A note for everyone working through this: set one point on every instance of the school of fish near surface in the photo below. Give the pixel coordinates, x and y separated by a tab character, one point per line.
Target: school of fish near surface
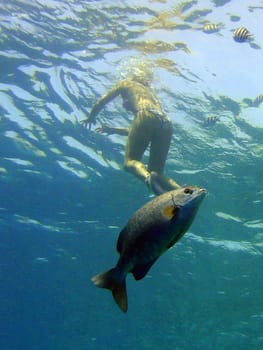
151	231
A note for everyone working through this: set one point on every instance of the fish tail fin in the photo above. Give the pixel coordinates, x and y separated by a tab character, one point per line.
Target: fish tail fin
115	282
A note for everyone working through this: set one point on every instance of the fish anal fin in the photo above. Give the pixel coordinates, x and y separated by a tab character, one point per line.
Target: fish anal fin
141	270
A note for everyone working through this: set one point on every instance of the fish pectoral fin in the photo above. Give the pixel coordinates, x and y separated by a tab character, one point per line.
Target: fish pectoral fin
141	270
170	211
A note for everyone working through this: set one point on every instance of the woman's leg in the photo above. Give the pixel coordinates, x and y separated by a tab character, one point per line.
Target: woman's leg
138	140
160	145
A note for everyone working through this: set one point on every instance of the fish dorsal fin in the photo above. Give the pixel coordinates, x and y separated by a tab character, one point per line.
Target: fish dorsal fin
141	270
170	211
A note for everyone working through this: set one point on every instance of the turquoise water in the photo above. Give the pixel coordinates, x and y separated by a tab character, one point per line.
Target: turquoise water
64	195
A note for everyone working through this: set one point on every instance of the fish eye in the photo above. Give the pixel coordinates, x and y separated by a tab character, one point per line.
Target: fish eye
188	190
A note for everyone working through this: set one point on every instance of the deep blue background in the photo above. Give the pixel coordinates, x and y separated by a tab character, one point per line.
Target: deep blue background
62	204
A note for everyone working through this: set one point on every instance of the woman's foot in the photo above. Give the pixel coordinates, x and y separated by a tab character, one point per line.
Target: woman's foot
160	184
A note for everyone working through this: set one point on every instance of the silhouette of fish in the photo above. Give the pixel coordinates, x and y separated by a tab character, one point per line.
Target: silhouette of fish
210	120
151	231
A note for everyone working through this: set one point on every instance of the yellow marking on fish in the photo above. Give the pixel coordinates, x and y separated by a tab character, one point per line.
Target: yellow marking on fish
170	212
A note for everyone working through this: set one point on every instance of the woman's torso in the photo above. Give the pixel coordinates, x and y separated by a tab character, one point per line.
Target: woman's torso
137	97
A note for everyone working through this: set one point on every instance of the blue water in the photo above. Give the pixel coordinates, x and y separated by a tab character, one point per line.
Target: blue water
64	195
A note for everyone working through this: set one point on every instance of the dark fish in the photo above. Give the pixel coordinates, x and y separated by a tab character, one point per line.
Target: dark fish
210	121
151	231
210	28
242	35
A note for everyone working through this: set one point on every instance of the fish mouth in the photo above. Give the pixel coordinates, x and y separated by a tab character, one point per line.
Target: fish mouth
202	193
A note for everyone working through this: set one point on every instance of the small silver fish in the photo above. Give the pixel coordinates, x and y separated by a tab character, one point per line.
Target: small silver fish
150	232
242	35
210	121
